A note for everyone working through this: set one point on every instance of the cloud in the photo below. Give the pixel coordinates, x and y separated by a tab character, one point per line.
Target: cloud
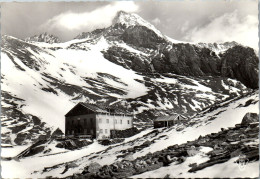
228	27
185	26
156	21
87	21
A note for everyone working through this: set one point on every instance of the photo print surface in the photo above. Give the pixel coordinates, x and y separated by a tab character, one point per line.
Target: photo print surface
129	89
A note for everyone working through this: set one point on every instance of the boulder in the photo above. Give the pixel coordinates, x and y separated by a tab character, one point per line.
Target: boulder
129	157
192	151
59	145
94	167
72	165
68	166
249	118
147	143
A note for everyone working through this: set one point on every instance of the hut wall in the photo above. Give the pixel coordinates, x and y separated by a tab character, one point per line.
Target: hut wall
81	125
106	122
158	124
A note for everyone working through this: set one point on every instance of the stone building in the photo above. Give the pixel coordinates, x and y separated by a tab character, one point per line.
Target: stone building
86	119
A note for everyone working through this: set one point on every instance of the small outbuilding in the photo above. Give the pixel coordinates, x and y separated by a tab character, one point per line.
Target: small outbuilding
168	121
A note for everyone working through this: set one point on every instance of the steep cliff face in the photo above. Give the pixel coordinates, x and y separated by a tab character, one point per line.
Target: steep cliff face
141	36
241	63
187	59
129	60
238	62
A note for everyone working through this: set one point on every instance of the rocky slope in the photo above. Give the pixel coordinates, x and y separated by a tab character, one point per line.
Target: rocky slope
129	65
215	148
216	134
17	126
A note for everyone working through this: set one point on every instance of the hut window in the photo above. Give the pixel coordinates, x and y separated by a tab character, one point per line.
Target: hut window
128	122
107	120
106	131
101	131
116	121
121	121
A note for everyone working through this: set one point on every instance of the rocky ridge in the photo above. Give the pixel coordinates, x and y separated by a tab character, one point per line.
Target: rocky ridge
44	37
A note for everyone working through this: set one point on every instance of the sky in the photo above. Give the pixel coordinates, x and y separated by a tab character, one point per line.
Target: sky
185	20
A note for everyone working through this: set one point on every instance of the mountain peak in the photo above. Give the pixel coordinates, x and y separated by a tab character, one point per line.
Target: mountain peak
131	19
44	37
123	17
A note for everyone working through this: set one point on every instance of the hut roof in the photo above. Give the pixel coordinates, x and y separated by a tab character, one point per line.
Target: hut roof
103	109
167	118
94	107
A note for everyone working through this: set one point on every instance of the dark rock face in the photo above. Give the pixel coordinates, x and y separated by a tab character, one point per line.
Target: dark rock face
241	63
127	59
187	59
249	118
110	141
238	63
141	36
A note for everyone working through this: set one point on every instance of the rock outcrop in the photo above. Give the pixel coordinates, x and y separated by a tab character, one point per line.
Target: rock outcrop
249	118
241	63
44	37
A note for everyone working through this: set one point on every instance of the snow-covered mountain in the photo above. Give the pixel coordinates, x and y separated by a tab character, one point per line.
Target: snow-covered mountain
129	65
162	54
130	20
